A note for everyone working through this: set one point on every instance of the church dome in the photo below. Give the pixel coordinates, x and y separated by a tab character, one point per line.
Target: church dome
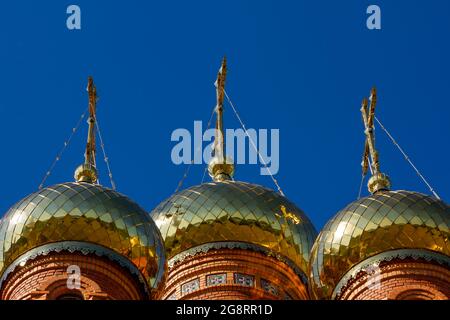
224	211
382	222
85	217
84	213
383	226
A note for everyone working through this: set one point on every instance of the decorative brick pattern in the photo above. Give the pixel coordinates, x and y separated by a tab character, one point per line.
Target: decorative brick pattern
45	278
229	262
173	296
401	280
287	297
244	279
191	286
269	287
215	279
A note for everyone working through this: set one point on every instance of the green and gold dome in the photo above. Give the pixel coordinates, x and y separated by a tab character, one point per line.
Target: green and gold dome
88	213
223	211
86	217
382	226
230	213
384	222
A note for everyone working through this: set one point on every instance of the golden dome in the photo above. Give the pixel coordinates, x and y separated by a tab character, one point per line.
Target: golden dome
83	213
232	211
384	221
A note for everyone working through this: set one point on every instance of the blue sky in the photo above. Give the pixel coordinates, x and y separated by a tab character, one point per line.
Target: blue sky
300	66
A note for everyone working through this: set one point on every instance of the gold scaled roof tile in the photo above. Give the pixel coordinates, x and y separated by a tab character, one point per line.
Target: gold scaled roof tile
234	211
386	220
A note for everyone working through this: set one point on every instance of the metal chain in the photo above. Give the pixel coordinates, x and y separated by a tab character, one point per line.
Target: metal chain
253	144
60	153
360	186
186	172
105	158
209	125
204	174
407	158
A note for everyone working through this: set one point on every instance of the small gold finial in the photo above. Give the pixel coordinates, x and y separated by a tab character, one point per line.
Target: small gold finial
378	181
87	172
220	167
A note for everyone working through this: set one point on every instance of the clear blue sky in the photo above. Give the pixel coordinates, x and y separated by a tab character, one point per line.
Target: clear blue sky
300	66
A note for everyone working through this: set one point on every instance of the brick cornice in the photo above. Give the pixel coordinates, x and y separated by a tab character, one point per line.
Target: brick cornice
383	259
45	278
261	267
406	278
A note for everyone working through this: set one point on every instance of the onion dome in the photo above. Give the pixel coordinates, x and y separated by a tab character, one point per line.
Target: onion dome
231	214
235	211
380	227
86	217
382	222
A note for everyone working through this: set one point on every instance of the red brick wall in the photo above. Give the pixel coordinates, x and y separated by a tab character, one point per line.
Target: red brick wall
401	280
45	278
228	262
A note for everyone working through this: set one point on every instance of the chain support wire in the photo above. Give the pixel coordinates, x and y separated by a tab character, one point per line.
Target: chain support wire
66	144
60	153
407	158
253	144
105	157
186	172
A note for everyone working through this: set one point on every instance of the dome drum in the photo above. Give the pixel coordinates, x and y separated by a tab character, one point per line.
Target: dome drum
402	254
80	247
204	248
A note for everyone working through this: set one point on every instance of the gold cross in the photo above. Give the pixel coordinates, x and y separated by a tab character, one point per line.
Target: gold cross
378	181
288	215
368	114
